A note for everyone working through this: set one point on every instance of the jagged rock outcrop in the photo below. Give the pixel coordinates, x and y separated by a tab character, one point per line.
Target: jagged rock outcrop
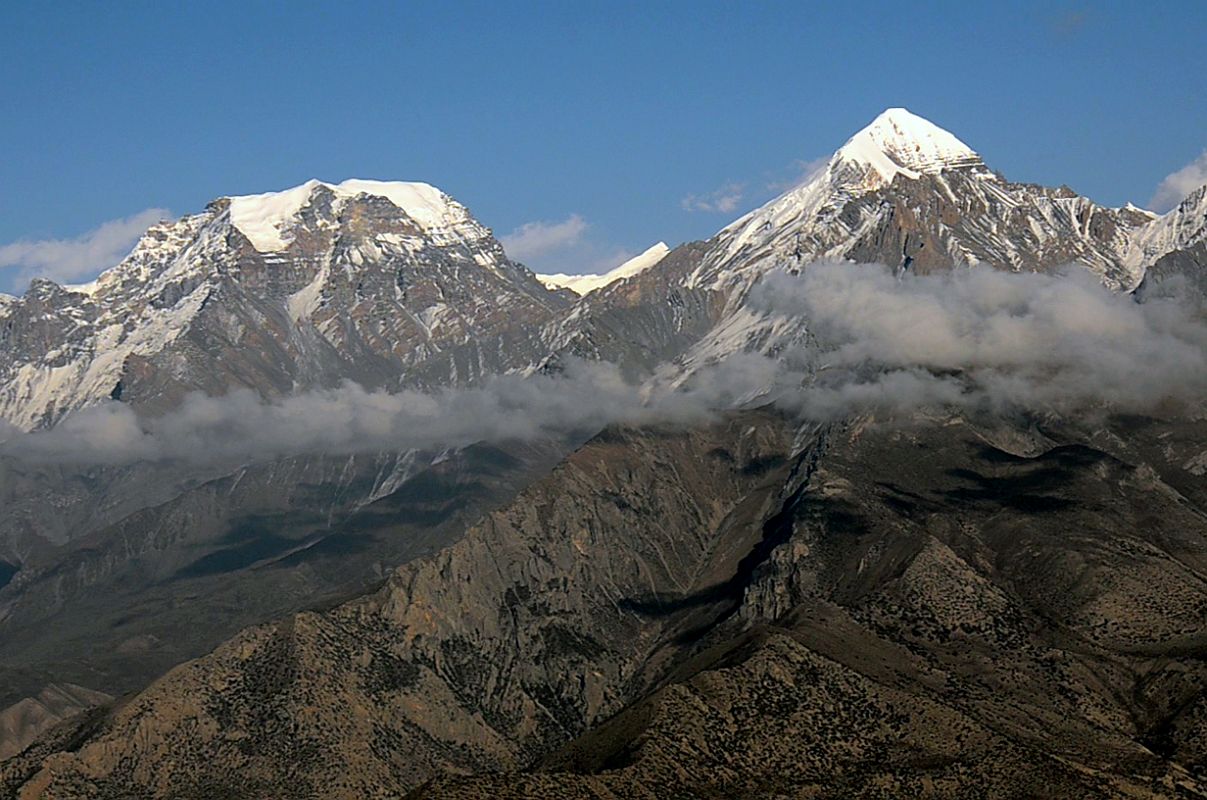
24	720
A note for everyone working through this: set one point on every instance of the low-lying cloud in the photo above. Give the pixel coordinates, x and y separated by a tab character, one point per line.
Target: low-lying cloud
986	339
242	426
973	340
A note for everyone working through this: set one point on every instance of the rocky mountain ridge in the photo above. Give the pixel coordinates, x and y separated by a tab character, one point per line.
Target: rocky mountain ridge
901	192
662	573
278	293
393	284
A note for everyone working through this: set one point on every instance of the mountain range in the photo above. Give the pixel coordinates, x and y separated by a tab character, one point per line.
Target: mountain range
939	600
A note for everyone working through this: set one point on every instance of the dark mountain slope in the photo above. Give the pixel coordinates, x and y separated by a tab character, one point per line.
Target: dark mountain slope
935	609
120	607
948	619
489	654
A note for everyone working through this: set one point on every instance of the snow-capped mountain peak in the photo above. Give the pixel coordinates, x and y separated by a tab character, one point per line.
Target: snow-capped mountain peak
904	191
265	218
372	281
898	141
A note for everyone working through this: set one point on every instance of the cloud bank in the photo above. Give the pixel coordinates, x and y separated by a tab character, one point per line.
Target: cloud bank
71	260
241	426
1178	185
984	339
973	340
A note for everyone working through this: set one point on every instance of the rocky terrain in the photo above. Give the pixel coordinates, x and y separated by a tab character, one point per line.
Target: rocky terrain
146	564
937	603
920	609
120	606
1011	614
21	722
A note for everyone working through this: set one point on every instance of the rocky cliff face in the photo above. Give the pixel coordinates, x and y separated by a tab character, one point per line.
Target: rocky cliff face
489	653
890	610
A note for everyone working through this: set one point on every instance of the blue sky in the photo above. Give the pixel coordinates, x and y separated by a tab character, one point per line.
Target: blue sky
614	125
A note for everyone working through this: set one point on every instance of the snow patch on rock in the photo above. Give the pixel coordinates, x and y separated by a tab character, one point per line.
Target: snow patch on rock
585	284
265	219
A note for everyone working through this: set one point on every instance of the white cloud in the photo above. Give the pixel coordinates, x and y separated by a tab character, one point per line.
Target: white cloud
563	247
977	340
800	172
239	427
724	200
988	339
1178	184
82	258
536	239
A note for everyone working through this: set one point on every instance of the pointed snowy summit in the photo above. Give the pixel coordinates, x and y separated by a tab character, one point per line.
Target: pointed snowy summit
898	141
